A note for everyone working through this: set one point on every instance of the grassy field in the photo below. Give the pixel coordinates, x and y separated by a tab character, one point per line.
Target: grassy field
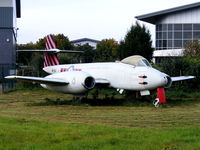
40	120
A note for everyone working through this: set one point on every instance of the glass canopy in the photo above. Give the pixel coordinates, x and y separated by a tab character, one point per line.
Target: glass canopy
136	60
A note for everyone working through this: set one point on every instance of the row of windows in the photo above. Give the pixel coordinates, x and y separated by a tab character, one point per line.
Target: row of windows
170	44
175	36
178	35
178	27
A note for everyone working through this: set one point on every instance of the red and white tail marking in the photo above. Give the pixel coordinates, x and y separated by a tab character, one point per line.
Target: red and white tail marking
50	59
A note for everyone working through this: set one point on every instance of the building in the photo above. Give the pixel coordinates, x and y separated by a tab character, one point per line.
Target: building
175	27
84	41
9	11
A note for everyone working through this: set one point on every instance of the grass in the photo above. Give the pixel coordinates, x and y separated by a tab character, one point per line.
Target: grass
38	120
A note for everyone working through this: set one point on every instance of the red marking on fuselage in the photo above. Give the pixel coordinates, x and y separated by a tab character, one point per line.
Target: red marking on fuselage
66	69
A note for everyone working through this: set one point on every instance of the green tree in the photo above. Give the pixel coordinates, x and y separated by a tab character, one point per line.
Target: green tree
137	42
192	49
107	50
88	55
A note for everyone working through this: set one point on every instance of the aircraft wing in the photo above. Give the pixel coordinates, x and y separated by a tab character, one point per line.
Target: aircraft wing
102	83
39	80
49	51
182	78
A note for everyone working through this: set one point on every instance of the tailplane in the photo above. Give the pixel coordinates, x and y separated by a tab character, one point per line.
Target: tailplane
50	59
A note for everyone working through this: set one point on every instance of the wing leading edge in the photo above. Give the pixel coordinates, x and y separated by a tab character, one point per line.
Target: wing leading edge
40	80
182	78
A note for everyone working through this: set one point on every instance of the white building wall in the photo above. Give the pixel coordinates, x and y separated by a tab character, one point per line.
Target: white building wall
6	3
187	16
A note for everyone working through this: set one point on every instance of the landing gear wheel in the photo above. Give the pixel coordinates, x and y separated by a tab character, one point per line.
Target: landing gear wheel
156	102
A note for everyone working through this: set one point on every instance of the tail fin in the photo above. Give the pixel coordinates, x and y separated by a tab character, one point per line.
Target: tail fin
50	59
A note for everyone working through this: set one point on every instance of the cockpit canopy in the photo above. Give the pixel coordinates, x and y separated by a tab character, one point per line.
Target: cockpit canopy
136	60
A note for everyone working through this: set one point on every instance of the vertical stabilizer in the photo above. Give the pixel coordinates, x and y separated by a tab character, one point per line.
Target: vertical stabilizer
50	59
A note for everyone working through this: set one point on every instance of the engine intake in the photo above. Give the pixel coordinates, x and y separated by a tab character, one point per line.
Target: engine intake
89	83
168	82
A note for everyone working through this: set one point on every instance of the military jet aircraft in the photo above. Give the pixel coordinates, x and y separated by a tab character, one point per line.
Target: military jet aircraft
132	73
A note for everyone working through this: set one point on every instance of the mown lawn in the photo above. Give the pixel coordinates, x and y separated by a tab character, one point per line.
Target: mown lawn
29	120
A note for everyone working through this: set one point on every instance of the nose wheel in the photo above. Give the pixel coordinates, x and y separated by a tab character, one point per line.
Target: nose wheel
156	102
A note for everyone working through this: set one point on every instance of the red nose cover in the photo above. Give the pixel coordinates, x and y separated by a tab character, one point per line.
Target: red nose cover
161	95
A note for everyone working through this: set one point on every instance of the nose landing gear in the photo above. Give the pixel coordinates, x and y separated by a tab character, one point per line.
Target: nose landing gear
156	102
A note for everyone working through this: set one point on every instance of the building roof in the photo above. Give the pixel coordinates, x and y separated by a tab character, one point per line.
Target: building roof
85	39
152	17
18	8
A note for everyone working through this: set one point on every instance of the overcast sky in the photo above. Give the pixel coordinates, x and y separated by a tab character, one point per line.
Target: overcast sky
96	19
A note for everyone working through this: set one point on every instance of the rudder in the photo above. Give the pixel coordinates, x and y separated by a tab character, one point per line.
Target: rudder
50	59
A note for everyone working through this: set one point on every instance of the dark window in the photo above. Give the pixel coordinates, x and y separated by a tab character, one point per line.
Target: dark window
164	35
187	27
187	35
170	27
196	35
178	27
169	44
177	35
170	35
164	44
196	26
178	43
159	35
164	27
159	27
156	35
159	43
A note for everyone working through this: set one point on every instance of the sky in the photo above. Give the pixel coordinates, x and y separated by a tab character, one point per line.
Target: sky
95	19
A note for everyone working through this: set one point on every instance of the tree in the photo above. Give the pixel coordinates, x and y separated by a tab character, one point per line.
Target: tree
107	50
137	42
89	52
192	49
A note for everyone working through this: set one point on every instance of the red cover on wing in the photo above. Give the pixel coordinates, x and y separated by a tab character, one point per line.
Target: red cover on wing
161	95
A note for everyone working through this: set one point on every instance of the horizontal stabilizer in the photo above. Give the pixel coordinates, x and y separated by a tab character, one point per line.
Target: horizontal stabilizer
39	80
182	78
49	51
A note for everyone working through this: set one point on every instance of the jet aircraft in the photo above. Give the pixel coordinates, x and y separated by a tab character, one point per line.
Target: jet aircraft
132	73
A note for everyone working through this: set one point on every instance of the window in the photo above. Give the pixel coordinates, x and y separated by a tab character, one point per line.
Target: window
187	27
169	44
196	26
196	35
169	35
170	27
178	43
177	35
164	43
178	27
187	35
164	27
164	35
159	35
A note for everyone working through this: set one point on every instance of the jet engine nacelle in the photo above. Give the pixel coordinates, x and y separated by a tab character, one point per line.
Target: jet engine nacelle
78	82
168	82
